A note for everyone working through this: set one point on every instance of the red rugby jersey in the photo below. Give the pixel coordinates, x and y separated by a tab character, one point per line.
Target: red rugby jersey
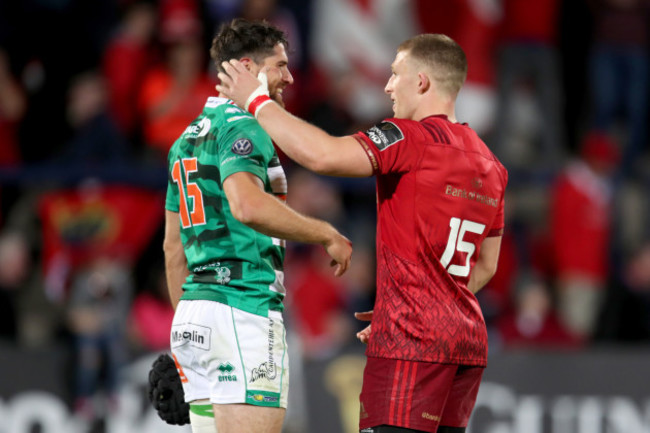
440	192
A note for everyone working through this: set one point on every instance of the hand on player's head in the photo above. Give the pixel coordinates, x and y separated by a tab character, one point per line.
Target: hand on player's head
238	84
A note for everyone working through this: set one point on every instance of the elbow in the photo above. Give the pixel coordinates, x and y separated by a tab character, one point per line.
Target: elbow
168	247
316	162
492	271
246	212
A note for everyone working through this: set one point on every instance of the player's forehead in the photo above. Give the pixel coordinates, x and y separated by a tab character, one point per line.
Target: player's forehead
279	56
401	60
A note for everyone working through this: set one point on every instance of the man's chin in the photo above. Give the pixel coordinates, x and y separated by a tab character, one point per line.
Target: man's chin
277	97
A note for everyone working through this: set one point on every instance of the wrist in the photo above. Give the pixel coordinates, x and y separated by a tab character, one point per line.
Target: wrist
254	105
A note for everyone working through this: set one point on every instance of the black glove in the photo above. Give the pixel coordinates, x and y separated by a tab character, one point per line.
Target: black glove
166	392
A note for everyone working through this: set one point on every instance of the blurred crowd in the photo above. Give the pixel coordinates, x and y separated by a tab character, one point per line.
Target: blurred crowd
93	94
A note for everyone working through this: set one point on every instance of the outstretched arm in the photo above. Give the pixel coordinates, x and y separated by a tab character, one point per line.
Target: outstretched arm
251	205
306	144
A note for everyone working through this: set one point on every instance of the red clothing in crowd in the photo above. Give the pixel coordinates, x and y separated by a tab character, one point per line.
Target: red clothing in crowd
152	317
518	331
531	21
581	223
168	108
125	63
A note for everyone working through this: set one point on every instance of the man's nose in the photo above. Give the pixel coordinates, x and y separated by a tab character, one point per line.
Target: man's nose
288	77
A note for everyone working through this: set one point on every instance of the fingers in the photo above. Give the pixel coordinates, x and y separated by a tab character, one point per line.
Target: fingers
232	68
364	335
365	316
340	267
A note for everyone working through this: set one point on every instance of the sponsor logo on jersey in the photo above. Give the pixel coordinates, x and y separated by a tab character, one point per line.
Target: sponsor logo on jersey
226	373
199	130
242	146
223	275
204	127
385	134
194	335
471	195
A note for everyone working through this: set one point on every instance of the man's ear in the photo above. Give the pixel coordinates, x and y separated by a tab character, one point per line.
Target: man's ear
247	62
424	83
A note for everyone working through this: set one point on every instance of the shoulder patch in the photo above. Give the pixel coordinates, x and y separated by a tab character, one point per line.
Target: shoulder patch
385	134
242	146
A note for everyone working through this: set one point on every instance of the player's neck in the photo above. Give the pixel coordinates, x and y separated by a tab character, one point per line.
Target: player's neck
436	109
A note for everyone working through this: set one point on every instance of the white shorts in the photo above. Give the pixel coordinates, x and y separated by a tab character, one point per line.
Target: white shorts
230	356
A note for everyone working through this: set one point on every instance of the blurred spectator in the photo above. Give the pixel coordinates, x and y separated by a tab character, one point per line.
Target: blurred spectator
116	221
151	315
13	104
633	317
222	10
128	55
15	263
173	92
318	303
533	321
529	70
96	140
356	42
284	19
619	73
99	302
476	31
318	300
581	225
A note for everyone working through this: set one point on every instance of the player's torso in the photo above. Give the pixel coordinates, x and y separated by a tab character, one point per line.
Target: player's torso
228	261
431	220
456	186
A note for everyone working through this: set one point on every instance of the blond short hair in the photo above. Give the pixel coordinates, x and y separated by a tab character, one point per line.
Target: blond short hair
444	58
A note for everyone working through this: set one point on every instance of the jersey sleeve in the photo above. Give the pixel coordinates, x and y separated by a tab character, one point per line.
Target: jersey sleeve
171	199
244	147
498	223
389	149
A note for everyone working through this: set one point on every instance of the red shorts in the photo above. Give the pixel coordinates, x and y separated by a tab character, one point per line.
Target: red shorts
417	395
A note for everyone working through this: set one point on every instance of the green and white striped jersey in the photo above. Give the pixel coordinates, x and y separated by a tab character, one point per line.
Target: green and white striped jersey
228	261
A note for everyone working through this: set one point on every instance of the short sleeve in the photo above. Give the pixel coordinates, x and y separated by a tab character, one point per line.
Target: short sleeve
244	147
498	223
389	146
172	197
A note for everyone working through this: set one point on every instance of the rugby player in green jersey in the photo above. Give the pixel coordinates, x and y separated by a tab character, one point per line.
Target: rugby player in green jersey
225	232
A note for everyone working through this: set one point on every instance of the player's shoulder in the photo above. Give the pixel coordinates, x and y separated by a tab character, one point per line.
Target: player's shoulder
225	110
391	131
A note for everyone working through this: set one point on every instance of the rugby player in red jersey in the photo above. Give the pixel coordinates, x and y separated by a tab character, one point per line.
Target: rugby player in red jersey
440	194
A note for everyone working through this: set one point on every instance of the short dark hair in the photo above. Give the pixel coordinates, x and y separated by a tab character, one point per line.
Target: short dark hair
442	55
243	38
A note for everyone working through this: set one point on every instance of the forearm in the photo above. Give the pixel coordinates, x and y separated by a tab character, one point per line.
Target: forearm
175	262
479	278
274	218
486	264
176	272
306	144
